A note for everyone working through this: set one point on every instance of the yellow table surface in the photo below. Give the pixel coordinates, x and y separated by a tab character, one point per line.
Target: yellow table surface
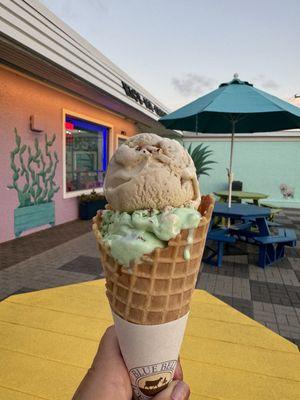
48	340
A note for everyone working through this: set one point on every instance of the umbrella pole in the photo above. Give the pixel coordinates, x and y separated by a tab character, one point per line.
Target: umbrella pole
230	173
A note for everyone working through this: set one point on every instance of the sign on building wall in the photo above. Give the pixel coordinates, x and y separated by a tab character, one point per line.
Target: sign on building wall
139	98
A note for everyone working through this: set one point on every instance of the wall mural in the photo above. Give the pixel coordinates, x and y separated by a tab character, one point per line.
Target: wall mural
33	179
287	191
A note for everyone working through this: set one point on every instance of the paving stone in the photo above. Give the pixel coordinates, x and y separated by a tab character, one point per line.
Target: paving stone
264	316
261	306
223	285
258	305
280	309
210	269
273	326
228	269
23	290
206	282
295	263
293	251
294	295
241	270
241	288
256	273
286	295
242	305
298	275
289	331
226	299
17	250
289	277
245	310
283	263
273	275
260	291
85	265
282	319
293	321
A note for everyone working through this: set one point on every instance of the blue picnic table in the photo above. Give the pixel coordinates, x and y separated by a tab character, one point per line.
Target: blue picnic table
246	213
250	225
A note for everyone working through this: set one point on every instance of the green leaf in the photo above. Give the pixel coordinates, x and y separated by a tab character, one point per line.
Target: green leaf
38	191
52	140
201	156
197	150
189	150
208	162
205	169
18	139
23	148
21	199
13	166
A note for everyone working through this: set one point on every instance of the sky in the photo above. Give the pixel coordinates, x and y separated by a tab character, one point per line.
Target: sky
179	50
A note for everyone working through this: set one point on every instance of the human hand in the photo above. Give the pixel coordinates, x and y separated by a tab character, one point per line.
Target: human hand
108	379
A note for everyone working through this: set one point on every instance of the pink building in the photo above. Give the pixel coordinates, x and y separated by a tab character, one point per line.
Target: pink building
65	108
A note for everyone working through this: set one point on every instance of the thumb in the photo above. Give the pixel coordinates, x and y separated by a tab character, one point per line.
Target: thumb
177	390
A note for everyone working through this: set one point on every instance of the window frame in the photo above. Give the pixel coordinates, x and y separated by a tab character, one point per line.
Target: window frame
76	193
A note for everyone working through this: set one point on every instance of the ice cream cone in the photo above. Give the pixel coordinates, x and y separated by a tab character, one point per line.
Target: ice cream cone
151	300
158	289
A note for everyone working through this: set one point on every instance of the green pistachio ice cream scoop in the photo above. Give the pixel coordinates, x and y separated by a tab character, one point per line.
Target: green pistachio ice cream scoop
130	236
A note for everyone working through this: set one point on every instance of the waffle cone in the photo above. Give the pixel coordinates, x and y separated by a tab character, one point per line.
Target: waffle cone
158	289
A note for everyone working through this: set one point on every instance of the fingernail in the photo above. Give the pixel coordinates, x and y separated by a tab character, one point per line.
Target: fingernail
180	392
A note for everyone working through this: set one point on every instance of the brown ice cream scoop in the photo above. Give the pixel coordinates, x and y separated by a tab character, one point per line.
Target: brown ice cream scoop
149	171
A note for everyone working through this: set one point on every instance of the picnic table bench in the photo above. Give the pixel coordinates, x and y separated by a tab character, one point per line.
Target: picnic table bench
220	236
271	248
251	226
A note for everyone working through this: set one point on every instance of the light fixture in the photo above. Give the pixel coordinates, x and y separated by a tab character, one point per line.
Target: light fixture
34	125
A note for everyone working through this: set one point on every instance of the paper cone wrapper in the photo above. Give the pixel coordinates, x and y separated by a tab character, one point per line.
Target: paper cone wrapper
150	353
155	291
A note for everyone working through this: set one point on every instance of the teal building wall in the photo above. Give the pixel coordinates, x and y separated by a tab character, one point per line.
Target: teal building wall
261	165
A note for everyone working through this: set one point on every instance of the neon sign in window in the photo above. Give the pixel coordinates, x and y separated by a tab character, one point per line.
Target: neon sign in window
86	154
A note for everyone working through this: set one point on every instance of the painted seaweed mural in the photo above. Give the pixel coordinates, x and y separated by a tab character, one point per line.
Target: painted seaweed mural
34	180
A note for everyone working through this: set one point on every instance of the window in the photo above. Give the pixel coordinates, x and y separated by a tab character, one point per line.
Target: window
86	154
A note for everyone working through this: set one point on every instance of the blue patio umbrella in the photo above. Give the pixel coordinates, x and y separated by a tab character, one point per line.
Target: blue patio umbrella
234	107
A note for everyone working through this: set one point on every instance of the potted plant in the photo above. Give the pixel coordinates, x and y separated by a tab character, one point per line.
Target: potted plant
90	203
33	179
